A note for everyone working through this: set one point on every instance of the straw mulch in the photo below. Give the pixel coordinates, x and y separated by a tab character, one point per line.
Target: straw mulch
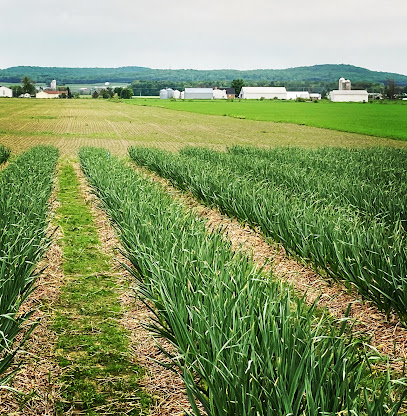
38	374
166	387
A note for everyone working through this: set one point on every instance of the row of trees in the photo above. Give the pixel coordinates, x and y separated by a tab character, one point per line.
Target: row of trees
117	92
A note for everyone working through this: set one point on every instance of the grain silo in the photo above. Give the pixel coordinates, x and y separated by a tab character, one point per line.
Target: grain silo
163	94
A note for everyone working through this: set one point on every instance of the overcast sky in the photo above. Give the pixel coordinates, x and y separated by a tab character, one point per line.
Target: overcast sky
241	34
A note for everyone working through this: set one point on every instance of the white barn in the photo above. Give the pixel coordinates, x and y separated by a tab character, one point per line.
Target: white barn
220	94
198	93
293	95
49	94
6	92
348	96
255	93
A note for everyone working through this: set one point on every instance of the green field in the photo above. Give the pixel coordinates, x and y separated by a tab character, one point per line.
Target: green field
382	119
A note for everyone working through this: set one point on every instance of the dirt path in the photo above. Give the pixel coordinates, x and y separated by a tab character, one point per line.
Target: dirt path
387	335
166	387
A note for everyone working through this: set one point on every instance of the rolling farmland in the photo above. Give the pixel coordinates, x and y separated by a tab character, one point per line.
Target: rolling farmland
71	124
241	339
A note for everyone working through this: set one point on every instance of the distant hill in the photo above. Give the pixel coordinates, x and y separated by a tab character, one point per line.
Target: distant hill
318	73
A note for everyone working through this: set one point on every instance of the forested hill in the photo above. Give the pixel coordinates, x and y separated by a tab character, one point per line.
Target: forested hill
317	73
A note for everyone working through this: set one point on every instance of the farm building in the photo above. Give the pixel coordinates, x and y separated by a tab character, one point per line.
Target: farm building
6	92
198	93
166	93
50	94
342	96
219	94
315	96
256	93
346	95
293	95
230	92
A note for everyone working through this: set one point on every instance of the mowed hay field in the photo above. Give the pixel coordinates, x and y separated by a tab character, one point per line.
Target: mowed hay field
71	124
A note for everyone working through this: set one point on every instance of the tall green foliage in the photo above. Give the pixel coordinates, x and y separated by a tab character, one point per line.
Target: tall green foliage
5	153
322	225
243	344
25	188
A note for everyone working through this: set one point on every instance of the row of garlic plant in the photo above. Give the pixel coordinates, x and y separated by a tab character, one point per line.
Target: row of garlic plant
243	343
371	181
25	189
5	153
370	255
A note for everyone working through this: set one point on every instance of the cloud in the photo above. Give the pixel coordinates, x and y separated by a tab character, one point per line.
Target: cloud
204	34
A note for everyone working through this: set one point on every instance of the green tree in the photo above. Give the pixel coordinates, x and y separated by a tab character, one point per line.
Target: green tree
28	86
390	89
127	93
237	84
95	94
118	91
17	90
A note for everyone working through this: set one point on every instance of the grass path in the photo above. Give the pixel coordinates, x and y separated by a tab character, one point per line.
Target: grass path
98	375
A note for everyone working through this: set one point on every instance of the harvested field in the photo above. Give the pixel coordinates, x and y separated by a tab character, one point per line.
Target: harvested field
70	124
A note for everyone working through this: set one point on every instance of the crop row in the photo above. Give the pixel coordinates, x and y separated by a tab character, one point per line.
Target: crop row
370	255
243	343
25	188
372	182
4	153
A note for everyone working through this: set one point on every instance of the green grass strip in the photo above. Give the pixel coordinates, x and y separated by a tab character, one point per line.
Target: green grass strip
97	374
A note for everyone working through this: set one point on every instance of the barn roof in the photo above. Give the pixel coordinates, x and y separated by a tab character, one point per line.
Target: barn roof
54	92
198	90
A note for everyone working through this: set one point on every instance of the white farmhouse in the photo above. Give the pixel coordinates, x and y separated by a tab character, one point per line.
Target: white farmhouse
198	93
256	93
6	92
293	95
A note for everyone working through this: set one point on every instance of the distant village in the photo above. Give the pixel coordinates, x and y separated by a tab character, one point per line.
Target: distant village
344	93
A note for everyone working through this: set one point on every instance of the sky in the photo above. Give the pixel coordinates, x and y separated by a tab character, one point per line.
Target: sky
210	34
